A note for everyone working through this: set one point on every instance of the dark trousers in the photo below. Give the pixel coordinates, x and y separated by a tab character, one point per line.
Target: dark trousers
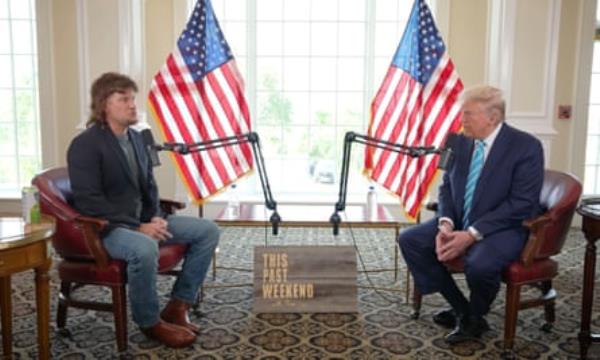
484	263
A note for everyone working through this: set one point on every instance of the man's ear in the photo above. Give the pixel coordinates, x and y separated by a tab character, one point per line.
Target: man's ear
494	117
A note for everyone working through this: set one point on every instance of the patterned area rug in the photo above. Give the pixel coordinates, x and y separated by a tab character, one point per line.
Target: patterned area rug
382	329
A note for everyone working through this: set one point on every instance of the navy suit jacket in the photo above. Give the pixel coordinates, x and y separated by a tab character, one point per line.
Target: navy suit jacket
102	181
508	188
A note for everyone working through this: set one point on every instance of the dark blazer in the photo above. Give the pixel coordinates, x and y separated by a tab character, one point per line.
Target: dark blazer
102	181
509	186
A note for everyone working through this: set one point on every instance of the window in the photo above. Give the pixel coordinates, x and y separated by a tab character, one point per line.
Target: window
311	68
20	157
592	159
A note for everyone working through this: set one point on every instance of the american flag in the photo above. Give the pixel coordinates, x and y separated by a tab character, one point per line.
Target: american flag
198	95
417	106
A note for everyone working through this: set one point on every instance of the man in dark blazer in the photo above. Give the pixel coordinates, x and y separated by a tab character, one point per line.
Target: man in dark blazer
491	186
111	177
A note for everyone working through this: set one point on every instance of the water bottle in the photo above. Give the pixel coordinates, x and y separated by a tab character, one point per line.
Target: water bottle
371	204
233	205
30	204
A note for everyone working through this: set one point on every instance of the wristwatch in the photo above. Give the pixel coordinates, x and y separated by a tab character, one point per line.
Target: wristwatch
474	233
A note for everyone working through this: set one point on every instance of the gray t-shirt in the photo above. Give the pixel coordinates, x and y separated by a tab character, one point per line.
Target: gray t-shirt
127	148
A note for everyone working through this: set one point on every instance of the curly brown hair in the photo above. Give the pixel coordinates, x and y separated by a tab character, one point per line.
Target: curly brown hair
103	87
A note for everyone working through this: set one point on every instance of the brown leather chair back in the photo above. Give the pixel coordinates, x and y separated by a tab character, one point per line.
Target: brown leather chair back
55	198
560	195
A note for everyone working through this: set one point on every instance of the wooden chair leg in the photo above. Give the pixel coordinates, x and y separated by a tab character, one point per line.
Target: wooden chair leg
417	300
549	313
513	293
63	299
214	264
119	298
6	315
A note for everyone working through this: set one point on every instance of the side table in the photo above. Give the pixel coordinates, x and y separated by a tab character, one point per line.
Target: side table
24	247
590	211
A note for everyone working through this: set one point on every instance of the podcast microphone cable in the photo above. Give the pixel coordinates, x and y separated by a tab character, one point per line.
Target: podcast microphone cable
364	268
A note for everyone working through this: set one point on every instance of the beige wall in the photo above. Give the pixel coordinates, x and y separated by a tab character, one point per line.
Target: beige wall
66	74
529	49
565	90
467	43
467	39
159	41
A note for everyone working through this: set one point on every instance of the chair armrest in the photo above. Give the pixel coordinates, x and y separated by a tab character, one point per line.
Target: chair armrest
536	227
91	228
170	206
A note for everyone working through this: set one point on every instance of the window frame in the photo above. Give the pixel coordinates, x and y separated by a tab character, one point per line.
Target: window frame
37	10
250	190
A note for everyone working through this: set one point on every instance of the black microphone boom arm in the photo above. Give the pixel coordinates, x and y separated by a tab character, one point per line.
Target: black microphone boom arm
254	140
412	151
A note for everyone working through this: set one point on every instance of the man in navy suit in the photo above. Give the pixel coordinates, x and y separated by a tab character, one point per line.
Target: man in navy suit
492	185
111	177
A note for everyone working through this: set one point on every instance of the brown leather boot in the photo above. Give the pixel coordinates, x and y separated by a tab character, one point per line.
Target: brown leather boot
176	312
171	335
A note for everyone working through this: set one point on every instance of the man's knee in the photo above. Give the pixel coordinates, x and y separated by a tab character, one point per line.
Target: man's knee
207	232
405	240
482	274
212	232
146	256
417	236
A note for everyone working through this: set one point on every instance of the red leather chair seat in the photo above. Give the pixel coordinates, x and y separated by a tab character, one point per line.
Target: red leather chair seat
517	273
115	273
89	273
170	256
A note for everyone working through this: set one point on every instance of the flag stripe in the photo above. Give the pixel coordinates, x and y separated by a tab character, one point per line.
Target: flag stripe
225	128
399	111
441	106
435	135
175	122
409	112
195	191
222	157
208	169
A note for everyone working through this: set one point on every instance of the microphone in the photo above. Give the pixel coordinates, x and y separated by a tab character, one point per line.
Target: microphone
151	147
335	220
447	152
275	220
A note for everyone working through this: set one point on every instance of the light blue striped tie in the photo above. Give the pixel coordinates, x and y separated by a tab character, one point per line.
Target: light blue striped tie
474	172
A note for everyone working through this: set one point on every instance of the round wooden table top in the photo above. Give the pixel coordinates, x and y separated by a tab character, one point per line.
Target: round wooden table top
14	232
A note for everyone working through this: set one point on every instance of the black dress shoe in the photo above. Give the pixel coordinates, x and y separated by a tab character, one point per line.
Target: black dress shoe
445	318
468	328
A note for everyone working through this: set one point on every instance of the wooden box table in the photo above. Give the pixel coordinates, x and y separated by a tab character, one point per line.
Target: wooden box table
24	247
256	215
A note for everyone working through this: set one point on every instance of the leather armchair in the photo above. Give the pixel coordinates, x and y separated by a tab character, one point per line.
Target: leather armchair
547	234
84	261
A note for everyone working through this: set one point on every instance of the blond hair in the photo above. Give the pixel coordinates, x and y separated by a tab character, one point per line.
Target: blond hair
490	97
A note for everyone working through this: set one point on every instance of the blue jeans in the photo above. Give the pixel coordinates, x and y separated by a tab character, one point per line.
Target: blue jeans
141	254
